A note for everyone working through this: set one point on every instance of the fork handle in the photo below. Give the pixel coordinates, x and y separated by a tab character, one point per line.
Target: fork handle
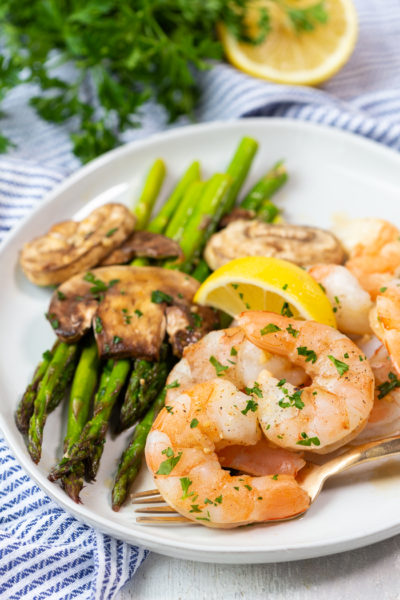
356	456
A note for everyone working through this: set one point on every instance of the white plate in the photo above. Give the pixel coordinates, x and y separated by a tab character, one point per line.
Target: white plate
330	172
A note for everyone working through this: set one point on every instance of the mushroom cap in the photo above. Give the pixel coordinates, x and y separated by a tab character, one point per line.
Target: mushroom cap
299	244
73	246
143	244
128	310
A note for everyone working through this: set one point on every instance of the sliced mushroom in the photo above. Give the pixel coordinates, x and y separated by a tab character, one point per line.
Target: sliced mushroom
73	246
127	308
236	214
299	244
143	244
188	324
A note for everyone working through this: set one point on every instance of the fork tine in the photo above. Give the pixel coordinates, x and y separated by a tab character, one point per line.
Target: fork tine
154	499
155	509
154	492
164	520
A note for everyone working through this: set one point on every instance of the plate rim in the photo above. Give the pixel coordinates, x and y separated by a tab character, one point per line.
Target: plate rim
183	549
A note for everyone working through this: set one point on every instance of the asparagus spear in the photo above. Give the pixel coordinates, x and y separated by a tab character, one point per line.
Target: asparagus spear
203	220
202	270
185	210
25	407
160	222
94	432
144	206
51	391
93	459
238	169
265	187
267	211
131	459
146	381
83	386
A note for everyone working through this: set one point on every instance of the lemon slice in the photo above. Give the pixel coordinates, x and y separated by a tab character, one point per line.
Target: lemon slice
262	283
293	57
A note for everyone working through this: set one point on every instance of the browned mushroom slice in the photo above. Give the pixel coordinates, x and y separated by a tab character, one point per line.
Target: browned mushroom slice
143	244
188	324
126	306
299	244
73	246
236	214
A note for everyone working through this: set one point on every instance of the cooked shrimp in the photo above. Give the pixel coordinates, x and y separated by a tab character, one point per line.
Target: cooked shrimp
384	419
181	452
261	459
385	319
334	408
374	247
351	303
229	354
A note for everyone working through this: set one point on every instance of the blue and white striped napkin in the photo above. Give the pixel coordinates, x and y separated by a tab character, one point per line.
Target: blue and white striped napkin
44	552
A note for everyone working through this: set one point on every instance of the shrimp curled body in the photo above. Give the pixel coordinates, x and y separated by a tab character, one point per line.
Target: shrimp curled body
181	453
335	407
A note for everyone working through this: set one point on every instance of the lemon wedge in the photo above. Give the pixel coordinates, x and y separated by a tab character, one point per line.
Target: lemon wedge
295	57
262	283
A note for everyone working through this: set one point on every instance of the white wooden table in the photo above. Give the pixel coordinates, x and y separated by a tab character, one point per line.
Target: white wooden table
371	573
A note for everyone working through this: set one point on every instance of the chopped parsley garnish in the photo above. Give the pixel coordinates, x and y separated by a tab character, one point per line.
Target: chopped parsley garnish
195	508
293	400
256	390
251	405
337	300
322	288
185	485
198	320
341	366
360	358
309	354
219	369
346	355
180	295
292	331
285	286
233	351
98	325
111	232
218	500
308	441
54	322
275	477
285	310
138	313
383	290
387	386
117	339
169	464
174	384
169	409
99	286
158	297
193	423
246	485
60	295
235	487
235	286
270	328
281	382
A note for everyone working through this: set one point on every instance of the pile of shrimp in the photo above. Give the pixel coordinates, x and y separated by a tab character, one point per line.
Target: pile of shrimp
245	403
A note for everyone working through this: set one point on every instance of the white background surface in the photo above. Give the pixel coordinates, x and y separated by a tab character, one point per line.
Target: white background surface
371	573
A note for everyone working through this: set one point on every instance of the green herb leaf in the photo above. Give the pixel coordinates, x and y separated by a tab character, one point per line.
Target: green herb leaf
193	423
307	441
251	405
256	390
292	331
388	386
219	369
169	464
341	366
309	354
270	328
185	485
159	297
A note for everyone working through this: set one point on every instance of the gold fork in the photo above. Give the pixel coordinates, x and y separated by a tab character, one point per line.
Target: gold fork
311	478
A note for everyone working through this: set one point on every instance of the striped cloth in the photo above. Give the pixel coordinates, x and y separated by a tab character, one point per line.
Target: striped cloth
44	552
